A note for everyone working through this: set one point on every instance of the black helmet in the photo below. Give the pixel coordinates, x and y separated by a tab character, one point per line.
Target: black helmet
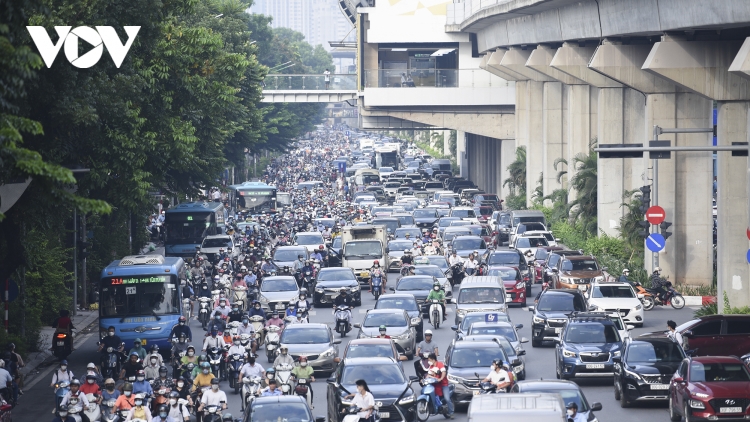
163	370
174	395
214	381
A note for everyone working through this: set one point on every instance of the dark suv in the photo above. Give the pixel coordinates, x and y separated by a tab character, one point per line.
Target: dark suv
587	346
551	313
644	370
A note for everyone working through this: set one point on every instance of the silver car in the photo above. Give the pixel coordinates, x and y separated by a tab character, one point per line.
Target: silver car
276	292
398	326
437	273
315	341
396	251
497	329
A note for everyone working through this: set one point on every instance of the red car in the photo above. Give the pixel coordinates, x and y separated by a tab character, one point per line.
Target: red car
710	388
515	286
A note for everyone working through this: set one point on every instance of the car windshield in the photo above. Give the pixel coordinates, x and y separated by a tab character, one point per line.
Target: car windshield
466	357
580	265
485	211
718	372
415	283
439	261
531	242
508	332
287	255
384	302
386	169
395	319
424	213
309	239
481	295
473	317
399	246
463	213
392	185
509	258
336	242
459	223
557	302
541	254
369	351
463	244
612	292
509	274
272	412
569	395
591	333
449	235
406	220
431	271
445	222
217	243
640	353
336	275
373	374
279	285
523	228
413	233
305	336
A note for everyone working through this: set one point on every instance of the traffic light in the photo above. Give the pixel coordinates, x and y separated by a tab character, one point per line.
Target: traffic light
645	198
83	249
645	231
664	226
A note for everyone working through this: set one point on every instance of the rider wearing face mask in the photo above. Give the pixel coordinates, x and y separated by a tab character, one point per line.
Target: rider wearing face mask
110	340
283	358
437	294
214	340
214	396
236	349
572	413
299	263
127	400
236	314
91	387
247	328
223	308
140	410
131	367
141	385
75	394
110	392
177	411
62	374
217	323
182	328
63	416
256	310
163	415
304	371
189	356
204	377
152	367
137	348
163	380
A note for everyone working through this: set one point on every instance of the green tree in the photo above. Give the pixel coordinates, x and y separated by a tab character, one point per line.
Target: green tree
583	209
516	182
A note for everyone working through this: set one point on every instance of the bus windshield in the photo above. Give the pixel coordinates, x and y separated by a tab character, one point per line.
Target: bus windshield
254	198
126	296
187	227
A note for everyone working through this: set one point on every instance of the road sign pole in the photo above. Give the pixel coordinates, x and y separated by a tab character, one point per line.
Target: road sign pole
655	191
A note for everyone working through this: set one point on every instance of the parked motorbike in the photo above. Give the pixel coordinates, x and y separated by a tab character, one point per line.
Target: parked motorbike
284	377
272	341
426	407
342	319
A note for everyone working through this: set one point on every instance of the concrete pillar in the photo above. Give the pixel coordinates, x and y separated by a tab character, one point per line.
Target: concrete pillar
581	127
554	146
535	148
507	156
732	205
461	153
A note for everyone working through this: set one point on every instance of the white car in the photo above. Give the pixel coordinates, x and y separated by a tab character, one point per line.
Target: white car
551	239
622	328
616	297
525	243
465	213
385	172
310	240
212	244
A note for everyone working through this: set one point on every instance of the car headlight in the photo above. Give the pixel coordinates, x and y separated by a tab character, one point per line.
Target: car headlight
407	400
518	369
616	353
568	353
461	312
697	404
355	288
638	307
416	320
537	320
263	299
633	375
328	353
520	285
599	278
403	336
454	379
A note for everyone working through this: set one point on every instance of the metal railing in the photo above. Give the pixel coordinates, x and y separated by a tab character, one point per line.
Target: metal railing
431	78
285	82
460	10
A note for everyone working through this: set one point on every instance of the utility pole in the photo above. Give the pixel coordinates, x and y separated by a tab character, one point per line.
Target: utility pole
84	238
75	261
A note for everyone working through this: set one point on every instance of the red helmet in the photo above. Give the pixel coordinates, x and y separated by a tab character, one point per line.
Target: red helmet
376	262
320	246
226	259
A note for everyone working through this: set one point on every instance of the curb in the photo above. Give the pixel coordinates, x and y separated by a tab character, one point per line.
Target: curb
699	300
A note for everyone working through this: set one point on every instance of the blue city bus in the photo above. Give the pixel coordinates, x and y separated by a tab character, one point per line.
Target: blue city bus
188	224
141	297
252	198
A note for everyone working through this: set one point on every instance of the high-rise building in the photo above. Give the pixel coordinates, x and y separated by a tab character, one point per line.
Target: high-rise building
319	20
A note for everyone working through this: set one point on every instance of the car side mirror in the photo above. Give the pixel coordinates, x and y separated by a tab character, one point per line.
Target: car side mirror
596	406
678	379
392	289
320	419
524	340
402	358
337	341
688	334
413	378
605	268
557	239
555	270
519	326
331	380
592	307
531	308
521	352
454	327
630	327
516	362
357	325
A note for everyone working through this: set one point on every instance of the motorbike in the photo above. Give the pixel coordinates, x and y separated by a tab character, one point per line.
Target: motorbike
254	292
284	377
646	298
239	298
234	363
272	341
76	409
111	363
258	324
342	319
250	390
61	345
672	297
107	407
422	366
425	405
160	397
377	285
212	413
187	308
308	282
303	389
455	273
436	313
407	270
214	358
204	312
61	389
351	413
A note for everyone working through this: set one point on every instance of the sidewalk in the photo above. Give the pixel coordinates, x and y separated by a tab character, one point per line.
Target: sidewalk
83	319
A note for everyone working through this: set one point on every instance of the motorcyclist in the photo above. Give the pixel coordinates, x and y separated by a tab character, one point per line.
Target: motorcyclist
238	281
250	278
154	353
140	410
204	291
197	271
455	259
177	411
283	358
407	258
127	400
110	340
307	268
131	367
181	328
303	303
438	294
375	270
204	377
304	371
624	277
163	415
256	310
658	283
237	348
163	380
91	387
291	310
500	376
74	392
214	340
268	267
137	348
109	392
62	415
221	255
141	385
298	264
382	332
214	396
223	308
235	314
471	265
217	324
275	320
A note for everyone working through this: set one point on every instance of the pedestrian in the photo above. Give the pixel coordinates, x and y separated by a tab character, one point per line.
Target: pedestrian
327	78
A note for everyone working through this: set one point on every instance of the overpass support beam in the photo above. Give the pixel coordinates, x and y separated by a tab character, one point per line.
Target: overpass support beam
703	67
684	181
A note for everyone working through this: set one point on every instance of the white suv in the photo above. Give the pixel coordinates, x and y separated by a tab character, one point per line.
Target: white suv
616	297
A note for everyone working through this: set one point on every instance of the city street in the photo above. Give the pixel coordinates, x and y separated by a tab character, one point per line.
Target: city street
37	402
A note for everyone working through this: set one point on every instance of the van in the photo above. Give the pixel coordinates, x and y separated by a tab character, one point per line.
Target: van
527	407
480	294
524	216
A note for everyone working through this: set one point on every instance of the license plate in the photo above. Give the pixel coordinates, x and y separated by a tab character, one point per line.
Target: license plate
595	366
558	330
730	410
385	415
143	342
660	386
61	343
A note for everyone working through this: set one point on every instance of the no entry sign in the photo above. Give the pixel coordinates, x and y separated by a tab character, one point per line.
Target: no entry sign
655	214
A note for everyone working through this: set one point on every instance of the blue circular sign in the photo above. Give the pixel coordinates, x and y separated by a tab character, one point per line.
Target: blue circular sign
655	242
748	256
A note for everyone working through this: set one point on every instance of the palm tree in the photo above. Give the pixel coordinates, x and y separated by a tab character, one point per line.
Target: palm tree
517	170
582	209
559	200
629	223
538	195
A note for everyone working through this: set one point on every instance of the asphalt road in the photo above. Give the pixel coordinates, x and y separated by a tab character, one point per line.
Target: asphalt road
37	403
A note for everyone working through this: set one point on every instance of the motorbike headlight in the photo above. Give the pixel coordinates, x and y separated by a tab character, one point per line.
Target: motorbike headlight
638	307
569	353
328	353
538	320
407	400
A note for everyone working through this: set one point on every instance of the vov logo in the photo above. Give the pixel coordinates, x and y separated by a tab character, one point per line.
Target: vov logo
102	36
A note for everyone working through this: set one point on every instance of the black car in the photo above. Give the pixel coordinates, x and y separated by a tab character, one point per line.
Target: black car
551	313
464	360
292	408
330	282
510	258
387	382
425	218
644	371
568	390
418	285
408	303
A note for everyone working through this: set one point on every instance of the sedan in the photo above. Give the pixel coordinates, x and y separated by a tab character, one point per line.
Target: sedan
517	362
568	390
464	360
515	287
505	329
425	218
315	341
405	302
473	317
276	292
437	273
398	325
290	408
331	281
417	285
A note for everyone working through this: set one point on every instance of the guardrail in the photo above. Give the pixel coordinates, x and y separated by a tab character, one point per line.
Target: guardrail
431	78
299	82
